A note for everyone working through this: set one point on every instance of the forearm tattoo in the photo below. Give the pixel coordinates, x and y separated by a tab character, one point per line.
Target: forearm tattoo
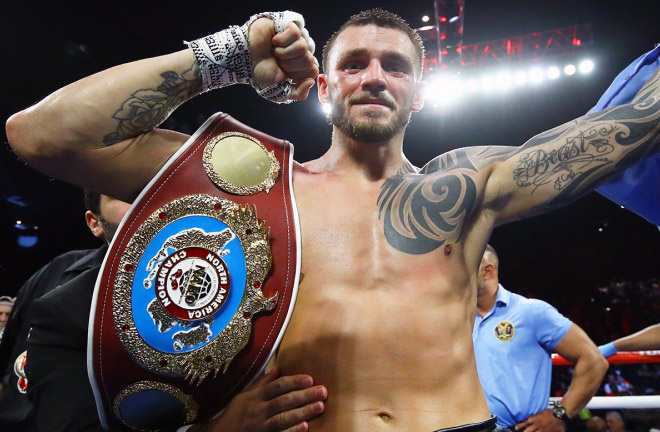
147	108
421	211
584	153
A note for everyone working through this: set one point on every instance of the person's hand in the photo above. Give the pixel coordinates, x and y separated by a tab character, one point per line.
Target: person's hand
277	57
544	421
273	404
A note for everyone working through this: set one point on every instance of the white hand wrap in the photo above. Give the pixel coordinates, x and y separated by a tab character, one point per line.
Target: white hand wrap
224	58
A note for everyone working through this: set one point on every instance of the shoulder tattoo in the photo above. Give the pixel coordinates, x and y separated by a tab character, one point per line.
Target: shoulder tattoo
422	210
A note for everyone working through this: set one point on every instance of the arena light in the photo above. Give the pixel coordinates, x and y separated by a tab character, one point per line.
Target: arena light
27	241
504	80
487	83
444	91
520	78
586	66
453	19
570	69
472	85
326	108
425	18
553	72
536	75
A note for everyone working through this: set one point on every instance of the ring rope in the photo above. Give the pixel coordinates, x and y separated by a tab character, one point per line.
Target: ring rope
614	402
622	357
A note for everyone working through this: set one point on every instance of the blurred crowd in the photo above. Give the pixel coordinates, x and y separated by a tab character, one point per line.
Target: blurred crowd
608	312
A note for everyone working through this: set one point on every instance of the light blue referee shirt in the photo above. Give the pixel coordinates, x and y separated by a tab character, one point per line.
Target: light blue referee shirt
512	345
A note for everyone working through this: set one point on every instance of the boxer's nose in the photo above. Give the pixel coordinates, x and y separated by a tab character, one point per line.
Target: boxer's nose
373	79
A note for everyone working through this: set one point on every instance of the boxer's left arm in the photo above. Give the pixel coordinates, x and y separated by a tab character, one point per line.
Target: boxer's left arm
558	166
499	184
590	367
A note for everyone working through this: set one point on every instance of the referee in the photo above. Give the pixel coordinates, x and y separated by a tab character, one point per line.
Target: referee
514	338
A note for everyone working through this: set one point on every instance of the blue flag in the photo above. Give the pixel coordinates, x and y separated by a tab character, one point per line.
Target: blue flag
638	187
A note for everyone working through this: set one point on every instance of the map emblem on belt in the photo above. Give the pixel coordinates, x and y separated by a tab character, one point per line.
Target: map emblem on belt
189	286
191	283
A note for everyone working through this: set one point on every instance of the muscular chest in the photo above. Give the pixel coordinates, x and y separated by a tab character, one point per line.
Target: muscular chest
344	238
339	222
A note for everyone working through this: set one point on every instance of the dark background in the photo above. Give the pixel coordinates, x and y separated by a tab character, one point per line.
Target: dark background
47	45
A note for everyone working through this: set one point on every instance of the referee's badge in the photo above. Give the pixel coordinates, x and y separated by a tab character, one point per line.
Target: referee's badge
504	331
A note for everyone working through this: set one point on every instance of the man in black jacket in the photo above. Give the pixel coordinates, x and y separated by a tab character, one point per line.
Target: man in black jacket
16	410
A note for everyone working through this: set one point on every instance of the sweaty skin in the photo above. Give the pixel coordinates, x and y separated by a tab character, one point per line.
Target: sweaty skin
390	253
387	332
383	324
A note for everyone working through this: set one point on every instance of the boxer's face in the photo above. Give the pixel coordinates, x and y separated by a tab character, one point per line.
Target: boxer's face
371	84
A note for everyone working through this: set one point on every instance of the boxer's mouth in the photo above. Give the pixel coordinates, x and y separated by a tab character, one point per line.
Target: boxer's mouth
370	100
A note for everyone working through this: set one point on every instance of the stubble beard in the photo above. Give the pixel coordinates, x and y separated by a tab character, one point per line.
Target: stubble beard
371	130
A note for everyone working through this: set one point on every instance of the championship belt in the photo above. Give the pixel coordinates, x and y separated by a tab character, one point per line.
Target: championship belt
199	283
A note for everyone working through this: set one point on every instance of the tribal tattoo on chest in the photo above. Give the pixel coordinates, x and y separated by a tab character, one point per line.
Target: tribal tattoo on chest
420	211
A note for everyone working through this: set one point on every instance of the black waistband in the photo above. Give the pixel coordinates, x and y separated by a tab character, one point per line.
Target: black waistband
485	426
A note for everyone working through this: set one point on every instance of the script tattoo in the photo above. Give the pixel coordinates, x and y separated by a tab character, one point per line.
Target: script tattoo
147	108
562	165
574	158
421	211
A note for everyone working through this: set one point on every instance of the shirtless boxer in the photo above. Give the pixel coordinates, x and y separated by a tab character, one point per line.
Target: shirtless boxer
390	253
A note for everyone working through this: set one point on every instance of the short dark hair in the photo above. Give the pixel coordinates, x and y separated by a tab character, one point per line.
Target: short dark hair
381	18
92	201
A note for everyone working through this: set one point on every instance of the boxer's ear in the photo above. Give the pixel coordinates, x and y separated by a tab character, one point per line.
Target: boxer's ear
418	101
322	86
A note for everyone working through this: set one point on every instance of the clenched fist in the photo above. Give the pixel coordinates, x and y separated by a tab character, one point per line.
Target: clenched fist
277	57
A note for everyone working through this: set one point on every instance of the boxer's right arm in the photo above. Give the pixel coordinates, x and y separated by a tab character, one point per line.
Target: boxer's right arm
100	132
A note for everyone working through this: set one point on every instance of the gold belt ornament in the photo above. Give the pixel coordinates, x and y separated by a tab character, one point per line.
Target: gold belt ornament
199	282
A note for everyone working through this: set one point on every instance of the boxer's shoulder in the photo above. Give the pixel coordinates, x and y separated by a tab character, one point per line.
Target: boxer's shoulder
468	159
309	170
300	168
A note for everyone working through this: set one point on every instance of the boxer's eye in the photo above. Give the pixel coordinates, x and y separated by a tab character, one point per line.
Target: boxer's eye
353	66
397	68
